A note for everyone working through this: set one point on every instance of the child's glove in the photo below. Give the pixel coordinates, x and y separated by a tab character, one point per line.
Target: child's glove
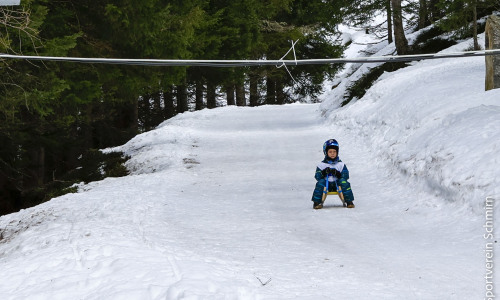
336	173
331	171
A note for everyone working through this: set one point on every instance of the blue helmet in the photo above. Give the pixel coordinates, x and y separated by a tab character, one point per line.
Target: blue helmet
329	145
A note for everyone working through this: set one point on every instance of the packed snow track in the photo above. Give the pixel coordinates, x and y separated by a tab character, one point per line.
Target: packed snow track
218	206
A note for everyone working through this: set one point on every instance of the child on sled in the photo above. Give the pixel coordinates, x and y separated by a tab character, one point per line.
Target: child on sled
337	174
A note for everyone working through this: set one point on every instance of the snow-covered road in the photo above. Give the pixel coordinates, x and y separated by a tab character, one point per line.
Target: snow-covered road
219	207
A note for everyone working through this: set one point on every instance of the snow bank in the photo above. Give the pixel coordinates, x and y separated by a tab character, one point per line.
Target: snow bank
433	122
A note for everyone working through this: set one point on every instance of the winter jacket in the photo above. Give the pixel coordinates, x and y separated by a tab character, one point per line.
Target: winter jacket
332	164
342	181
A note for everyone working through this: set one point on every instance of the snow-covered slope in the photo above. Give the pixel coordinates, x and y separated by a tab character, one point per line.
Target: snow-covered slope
218	203
434	122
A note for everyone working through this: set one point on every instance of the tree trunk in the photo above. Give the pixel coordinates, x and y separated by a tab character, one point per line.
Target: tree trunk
230	94
240	94
36	168
157	113
182	99
86	127
254	92
474	24
271	91
129	118
144	112
280	94
199	94
422	14
126	121
211	95
492	62
168	98
156	102
389	21
135	116
399	33
434	11
41	166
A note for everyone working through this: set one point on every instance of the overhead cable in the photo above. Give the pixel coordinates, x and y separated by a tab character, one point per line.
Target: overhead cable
250	63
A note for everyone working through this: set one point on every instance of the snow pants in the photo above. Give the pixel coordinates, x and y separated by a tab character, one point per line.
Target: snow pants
344	184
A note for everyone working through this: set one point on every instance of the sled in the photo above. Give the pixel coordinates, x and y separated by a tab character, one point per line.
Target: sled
338	192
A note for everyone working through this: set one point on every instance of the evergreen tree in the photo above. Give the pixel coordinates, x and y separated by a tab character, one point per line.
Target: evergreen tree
32	131
462	15
53	113
362	13
312	23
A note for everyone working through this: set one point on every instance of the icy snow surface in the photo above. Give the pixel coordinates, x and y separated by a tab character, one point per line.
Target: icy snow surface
218	203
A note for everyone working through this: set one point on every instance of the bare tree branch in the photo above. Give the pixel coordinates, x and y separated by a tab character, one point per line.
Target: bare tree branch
16	20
